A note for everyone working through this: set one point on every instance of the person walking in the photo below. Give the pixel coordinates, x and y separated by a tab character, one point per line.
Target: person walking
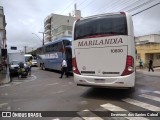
29	65
140	63
64	68
150	66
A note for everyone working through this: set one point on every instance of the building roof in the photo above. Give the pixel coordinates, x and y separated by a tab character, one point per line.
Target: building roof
147	35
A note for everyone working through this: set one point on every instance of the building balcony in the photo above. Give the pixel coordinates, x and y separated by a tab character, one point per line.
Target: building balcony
47	26
65	33
47	19
47	38
61	29
47	31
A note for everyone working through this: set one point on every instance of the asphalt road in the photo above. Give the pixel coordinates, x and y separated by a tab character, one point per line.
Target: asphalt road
44	91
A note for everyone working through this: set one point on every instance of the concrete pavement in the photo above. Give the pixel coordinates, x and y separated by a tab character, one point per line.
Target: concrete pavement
145	71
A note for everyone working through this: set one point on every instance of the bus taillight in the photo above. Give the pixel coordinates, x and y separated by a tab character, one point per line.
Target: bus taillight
74	64
129	66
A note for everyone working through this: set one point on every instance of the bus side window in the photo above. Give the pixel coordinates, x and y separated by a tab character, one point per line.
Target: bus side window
66	43
60	47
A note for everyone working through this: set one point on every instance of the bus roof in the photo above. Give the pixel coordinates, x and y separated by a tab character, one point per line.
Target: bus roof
27	55
58	40
114	13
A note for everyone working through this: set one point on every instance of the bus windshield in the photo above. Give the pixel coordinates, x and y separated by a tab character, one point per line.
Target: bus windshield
101	25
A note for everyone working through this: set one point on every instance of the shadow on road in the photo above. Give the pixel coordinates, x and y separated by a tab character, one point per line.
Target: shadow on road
108	93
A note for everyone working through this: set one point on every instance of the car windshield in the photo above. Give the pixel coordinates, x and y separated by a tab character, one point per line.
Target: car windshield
14	62
27	58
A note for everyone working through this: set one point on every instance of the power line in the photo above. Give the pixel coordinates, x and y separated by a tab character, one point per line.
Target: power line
130	5
139	6
110	4
89	3
146	9
117	5
67	7
81	4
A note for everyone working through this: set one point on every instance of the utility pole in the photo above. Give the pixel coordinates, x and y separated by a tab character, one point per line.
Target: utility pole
25	49
43	36
40	38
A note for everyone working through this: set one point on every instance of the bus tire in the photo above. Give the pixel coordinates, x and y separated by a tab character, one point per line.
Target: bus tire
42	66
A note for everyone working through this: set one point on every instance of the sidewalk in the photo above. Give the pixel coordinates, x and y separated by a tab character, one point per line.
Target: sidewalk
4	77
145	71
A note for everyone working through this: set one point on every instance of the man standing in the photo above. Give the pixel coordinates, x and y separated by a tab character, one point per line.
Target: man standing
150	65
140	63
64	68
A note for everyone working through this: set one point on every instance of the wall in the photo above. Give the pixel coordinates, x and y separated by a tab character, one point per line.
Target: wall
147	51
149	38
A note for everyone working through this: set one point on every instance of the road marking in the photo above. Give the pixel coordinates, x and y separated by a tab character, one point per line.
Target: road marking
77	118
3	104
115	109
150	97
142	104
88	114
19	81
144	91
9	108
157	92
56	119
16	83
83	102
52	84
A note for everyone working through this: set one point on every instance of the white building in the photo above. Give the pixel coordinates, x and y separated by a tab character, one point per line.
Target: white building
152	38
3	46
148	47
58	26
2	29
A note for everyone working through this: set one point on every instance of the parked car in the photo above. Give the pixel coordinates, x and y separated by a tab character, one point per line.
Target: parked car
34	63
14	67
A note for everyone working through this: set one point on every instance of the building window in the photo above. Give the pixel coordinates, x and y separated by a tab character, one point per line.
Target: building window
69	32
158	56
138	56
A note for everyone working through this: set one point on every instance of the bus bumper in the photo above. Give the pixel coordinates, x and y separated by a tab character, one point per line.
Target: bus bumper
127	81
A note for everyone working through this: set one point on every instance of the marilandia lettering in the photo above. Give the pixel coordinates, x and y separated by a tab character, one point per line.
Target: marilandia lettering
100	42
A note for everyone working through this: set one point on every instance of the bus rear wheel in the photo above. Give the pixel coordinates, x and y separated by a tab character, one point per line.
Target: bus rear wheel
42	66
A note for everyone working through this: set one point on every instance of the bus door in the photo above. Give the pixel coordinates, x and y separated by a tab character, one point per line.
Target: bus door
68	54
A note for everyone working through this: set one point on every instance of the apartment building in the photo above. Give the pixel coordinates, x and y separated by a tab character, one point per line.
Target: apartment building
58	26
3	46
148	47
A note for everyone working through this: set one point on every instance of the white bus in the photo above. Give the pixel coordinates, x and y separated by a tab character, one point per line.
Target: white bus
27	57
103	51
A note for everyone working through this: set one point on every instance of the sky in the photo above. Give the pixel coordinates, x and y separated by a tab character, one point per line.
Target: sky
24	17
